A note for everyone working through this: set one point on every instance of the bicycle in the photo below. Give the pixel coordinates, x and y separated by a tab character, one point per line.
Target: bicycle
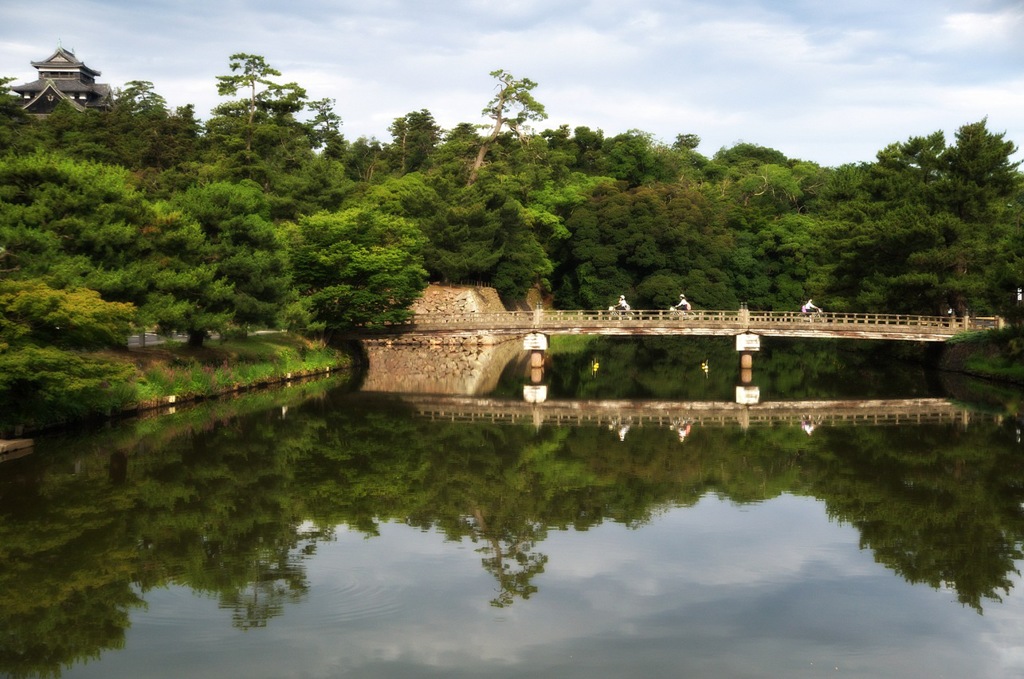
678	314
814	315
619	314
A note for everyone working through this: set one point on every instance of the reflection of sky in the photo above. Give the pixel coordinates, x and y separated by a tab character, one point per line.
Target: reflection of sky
716	590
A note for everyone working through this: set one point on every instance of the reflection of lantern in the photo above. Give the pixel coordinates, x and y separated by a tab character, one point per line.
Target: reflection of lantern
535	394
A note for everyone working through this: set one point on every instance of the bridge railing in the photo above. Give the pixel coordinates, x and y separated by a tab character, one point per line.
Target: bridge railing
561	317
700	321
857	319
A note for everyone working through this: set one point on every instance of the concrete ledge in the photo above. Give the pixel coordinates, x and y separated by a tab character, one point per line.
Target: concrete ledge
14	448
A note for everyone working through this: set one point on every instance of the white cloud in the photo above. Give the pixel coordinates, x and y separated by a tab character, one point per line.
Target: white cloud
978	30
824	82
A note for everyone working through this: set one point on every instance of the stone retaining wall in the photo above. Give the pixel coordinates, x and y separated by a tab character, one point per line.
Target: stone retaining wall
443	365
465	367
456	299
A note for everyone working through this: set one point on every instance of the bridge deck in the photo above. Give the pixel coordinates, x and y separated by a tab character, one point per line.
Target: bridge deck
704	322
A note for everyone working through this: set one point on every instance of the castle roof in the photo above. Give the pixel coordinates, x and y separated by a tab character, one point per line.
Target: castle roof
64	60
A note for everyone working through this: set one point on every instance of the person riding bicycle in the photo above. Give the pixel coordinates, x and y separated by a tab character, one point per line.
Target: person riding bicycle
623	305
808	307
683	305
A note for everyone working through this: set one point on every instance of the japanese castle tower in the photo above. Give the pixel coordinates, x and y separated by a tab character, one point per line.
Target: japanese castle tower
62	77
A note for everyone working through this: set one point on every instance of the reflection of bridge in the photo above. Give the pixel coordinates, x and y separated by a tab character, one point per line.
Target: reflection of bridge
664	322
673	413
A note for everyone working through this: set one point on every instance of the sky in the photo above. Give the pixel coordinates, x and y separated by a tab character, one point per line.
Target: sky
819	80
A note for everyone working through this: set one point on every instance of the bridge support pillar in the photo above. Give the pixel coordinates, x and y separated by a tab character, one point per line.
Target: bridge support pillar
746	368
746	345
536	343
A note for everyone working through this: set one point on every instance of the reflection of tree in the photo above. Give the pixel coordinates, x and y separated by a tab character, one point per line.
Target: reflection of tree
276	579
934	504
232	506
510	559
222	517
65	582
88	525
669	369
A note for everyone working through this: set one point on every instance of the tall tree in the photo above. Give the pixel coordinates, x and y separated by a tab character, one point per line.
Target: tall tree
512	107
252	74
325	128
259	137
414	137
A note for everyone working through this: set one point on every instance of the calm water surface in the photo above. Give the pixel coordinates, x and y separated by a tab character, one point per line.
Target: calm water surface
323	531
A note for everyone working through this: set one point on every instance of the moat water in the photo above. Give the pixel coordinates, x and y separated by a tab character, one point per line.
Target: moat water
344	528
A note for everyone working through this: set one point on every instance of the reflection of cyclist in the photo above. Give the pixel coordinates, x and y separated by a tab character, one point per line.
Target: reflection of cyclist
684	431
808	427
623	427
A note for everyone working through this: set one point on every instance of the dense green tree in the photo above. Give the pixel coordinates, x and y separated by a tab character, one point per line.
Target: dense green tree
73	224
524	263
31	312
633	157
12	116
44	376
364	159
159	146
361	266
222	262
649	243
462	243
260	136
926	225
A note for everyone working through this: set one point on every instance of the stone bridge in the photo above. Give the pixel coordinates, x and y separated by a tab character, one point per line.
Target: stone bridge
862	326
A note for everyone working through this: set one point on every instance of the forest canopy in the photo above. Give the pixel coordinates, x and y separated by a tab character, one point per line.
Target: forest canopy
265	215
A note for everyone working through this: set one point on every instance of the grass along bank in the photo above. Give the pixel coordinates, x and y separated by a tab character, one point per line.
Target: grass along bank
991	354
69	387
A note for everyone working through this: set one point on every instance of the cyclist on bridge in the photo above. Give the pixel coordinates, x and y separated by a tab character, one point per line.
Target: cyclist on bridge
622	305
808	307
683	305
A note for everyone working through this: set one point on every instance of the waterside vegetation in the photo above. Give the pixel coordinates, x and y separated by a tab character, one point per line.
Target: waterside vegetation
68	388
